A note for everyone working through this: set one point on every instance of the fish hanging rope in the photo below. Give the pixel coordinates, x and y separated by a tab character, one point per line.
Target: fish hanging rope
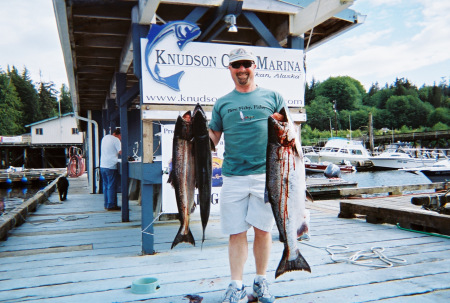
309	40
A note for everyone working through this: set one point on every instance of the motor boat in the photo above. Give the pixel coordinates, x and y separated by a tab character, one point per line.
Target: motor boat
398	156
337	150
438	172
311	167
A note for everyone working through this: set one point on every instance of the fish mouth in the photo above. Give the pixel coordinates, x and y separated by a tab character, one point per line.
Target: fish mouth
198	109
187	116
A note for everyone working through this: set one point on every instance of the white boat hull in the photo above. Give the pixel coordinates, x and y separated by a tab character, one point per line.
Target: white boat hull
398	163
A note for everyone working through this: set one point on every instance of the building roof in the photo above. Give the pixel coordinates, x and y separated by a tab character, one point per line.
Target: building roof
96	35
49	119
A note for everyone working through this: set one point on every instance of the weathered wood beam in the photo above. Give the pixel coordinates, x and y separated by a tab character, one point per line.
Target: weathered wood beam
316	13
147	11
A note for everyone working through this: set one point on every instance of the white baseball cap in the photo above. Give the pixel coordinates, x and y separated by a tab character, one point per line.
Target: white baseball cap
240	54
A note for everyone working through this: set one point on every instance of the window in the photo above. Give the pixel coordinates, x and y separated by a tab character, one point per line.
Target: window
39	131
74	131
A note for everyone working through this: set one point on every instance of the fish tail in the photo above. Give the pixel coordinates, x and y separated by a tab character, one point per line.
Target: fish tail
187	238
203	239
285	265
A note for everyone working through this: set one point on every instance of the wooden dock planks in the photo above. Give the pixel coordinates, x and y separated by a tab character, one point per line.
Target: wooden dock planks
110	259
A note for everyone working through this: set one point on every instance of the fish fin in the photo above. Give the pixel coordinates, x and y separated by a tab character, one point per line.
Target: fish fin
171	177
285	265
303	229
189	238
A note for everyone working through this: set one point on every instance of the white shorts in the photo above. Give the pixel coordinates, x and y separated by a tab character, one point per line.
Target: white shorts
242	204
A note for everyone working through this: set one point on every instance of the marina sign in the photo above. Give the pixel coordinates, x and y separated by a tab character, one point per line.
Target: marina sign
178	71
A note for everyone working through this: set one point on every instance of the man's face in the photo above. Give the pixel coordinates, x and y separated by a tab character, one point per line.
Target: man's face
242	72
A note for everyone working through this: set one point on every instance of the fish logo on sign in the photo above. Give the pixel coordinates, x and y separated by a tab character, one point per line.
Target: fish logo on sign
184	32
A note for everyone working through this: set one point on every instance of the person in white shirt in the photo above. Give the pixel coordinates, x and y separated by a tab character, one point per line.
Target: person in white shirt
110	150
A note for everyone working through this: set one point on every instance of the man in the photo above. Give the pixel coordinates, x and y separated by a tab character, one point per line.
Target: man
110	151
242	116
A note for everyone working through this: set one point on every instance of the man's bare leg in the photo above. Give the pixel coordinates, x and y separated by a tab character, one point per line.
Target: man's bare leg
261	250
237	253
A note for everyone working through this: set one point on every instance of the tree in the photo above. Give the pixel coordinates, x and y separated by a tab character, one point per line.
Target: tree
10	113
47	101
319	113
407	110
310	94
65	101
367	99
403	87
346	91
440	114
28	96
435	97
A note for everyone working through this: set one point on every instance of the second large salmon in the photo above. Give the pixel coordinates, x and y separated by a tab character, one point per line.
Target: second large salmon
286	188
203	164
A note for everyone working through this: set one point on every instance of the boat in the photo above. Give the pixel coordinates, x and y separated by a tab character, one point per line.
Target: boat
312	167
401	155
438	172
339	150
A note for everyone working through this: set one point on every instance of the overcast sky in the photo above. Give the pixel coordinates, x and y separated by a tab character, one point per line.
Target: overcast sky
400	38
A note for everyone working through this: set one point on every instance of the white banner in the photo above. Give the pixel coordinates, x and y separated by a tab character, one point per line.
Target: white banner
16	139
178	71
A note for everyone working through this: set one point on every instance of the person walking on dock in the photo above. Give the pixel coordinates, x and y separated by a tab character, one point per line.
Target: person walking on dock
110	151
242	116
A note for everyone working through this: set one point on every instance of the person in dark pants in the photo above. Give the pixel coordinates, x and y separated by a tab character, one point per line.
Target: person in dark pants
110	151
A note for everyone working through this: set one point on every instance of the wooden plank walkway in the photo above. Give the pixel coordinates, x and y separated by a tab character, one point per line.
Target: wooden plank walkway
76	252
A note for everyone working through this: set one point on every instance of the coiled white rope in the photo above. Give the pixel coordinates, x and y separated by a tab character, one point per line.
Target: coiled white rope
339	253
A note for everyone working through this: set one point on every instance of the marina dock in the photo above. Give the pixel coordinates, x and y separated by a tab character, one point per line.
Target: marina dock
75	251
31	175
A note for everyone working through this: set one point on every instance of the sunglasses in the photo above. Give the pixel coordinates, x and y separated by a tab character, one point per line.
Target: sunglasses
245	64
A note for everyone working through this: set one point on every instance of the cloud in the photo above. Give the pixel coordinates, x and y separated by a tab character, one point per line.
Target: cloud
30	39
400	38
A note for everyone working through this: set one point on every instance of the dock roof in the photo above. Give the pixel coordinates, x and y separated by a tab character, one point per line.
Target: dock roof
96	35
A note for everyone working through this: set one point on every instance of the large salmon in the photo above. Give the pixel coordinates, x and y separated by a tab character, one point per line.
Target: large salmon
182	175
286	188
203	164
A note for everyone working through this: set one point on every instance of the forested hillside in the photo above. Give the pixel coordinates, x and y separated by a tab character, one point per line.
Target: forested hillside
339	103
23	102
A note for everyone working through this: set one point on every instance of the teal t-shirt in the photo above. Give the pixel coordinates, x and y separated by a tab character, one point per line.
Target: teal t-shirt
242	118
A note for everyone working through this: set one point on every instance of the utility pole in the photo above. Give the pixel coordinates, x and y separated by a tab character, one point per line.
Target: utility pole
335	116
370	132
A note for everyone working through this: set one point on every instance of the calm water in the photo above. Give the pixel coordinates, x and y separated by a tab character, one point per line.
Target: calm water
386	178
382	178
13	197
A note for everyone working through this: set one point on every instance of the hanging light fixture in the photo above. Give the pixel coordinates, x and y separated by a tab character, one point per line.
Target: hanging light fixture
231	21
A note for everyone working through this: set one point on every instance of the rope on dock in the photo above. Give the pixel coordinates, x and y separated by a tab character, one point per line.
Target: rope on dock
361	257
144	230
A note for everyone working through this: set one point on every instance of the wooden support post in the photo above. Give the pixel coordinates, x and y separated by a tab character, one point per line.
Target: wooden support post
121	89
147	219
138	32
